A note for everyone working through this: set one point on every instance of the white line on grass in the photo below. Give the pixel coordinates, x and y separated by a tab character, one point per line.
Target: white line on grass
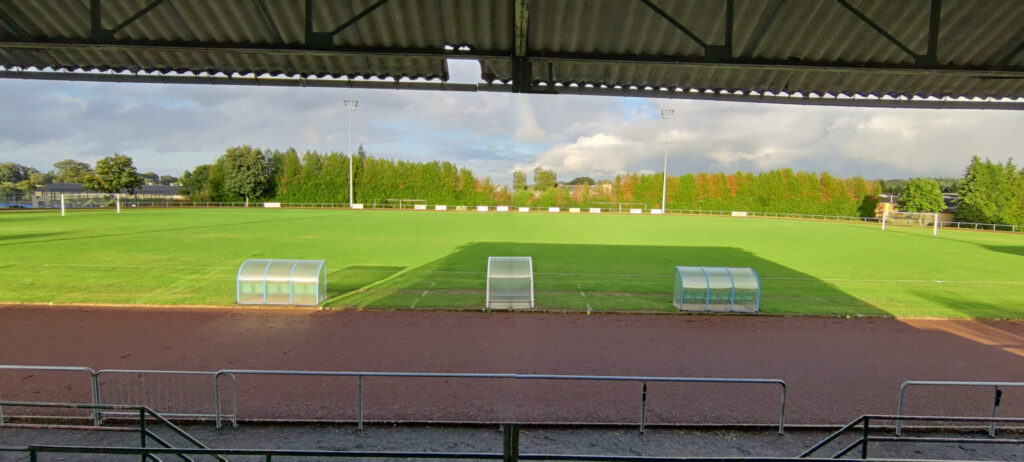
424	294
609	275
137	266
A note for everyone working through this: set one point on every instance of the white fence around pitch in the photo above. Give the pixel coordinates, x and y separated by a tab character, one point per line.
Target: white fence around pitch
214	395
603	208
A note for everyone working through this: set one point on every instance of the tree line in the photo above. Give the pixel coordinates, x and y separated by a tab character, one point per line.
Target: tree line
988	192
112	174
17	177
246	173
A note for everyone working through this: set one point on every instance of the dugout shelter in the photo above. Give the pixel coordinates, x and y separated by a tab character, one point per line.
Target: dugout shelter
717	289
281	282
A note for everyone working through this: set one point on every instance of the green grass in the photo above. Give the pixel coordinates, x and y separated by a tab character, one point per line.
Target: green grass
430	260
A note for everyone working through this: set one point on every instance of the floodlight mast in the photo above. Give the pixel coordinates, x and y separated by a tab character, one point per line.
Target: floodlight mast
665	114
351	105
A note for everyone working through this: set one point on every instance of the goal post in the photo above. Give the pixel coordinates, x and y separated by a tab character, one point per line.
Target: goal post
911	219
89	200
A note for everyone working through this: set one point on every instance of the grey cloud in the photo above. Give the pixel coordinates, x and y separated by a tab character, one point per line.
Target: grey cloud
168	128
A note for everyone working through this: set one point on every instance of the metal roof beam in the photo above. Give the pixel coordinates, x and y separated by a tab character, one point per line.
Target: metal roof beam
326	39
243	81
922	103
730	16
699	61
747	98
1013	53
262	48
521	27
357	17
267	18
522	68
675	23
98	32
136	16
759	37
932	55
13	26
878	28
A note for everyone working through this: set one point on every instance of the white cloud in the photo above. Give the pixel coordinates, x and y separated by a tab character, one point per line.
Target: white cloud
169	128
526	123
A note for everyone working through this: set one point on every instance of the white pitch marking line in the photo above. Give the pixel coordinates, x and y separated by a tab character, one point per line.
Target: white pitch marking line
588	308
424	294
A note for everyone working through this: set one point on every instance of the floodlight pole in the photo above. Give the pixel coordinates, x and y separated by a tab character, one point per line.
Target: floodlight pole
351	105
665	114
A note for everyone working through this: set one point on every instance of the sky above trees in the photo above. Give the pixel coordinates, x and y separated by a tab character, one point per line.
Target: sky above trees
170	128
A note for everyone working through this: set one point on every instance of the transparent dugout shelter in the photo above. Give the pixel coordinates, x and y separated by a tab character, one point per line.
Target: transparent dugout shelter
510	282
281	282
718	289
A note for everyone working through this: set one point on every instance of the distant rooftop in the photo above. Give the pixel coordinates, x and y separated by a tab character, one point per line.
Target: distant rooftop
74	188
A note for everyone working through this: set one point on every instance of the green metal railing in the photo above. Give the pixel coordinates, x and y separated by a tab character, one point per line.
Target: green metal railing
143	413
863	428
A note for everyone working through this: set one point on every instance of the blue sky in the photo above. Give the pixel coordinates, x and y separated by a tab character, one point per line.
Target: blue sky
170	128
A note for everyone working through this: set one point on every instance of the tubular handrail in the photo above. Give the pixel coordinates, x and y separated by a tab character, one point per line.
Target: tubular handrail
93	383
616	378
142	411
945	383
866	437
101	387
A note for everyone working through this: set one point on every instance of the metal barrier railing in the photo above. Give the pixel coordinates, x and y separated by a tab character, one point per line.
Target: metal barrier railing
145	434
997	398
181	394
866	437
169	392
93	383
360	375
605	207
178	397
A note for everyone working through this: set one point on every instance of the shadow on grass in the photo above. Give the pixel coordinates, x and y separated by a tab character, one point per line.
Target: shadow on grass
972	308
1010	249
40	237
355	277
13	237
595	278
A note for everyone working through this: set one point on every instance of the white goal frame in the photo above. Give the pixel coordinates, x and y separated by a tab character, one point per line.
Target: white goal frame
934	216
89	196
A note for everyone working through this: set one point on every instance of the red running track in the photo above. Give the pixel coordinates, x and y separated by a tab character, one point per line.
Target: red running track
836	369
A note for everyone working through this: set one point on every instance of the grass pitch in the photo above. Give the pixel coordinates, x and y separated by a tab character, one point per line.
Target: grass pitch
431	260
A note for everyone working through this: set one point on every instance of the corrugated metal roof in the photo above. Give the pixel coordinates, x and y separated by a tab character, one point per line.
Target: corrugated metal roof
834	49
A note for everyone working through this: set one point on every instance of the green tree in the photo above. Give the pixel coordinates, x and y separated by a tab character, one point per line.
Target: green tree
194	184
544	180
71	171
247	172
583	180
987	192
922	195
167	180
11	172
151	178
114	174
518	180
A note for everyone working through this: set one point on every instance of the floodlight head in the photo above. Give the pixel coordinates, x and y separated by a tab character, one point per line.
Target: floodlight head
351	104
667	113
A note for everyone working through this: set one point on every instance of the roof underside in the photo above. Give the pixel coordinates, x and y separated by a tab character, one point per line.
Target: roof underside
933	53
